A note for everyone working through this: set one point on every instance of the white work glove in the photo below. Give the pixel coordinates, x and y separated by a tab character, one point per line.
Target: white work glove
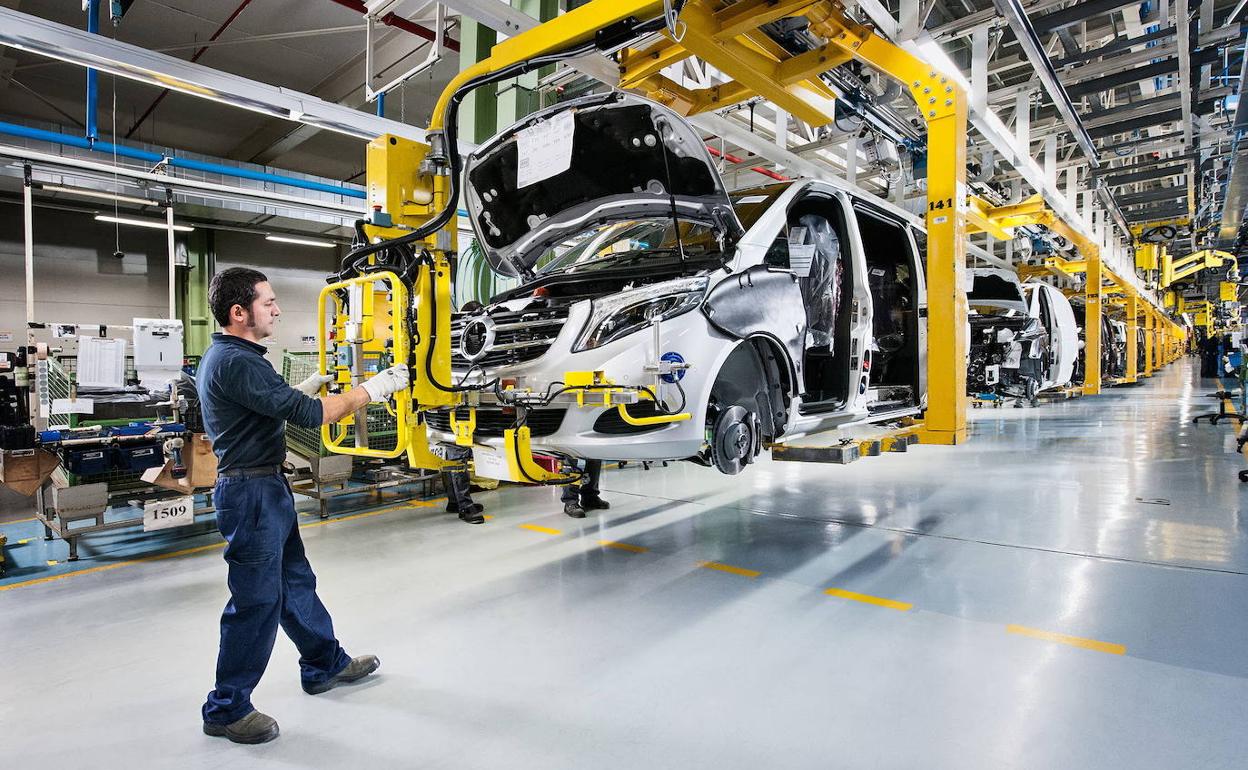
313	385
381	385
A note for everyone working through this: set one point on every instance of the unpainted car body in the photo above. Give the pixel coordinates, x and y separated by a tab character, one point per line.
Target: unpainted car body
1051	307
1009	347
799	306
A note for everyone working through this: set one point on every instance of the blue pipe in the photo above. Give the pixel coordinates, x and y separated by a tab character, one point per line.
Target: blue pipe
93	27
381	105
38	134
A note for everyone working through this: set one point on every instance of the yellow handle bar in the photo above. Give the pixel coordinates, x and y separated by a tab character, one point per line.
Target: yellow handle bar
403	399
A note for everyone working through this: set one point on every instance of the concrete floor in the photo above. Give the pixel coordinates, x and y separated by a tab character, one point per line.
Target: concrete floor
1110	519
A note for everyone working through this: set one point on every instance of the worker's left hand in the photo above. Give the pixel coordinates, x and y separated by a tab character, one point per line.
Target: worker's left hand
313	385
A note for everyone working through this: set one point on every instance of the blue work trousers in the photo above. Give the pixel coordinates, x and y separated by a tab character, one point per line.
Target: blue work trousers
270	583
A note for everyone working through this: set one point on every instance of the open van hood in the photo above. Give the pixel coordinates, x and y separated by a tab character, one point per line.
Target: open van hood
585	162
997	288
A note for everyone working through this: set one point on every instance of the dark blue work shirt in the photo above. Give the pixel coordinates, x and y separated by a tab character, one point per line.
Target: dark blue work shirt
246	404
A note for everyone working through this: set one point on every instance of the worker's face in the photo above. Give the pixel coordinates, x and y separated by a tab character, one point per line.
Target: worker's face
261	318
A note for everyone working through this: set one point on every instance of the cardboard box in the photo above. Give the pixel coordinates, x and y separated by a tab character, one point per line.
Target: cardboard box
25	470
201	467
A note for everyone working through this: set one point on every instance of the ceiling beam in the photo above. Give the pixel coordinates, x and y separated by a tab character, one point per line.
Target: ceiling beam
57	41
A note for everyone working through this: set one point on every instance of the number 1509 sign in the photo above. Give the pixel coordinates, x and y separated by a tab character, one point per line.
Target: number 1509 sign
163	514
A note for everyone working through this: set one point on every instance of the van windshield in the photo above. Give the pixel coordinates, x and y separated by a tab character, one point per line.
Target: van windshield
616	244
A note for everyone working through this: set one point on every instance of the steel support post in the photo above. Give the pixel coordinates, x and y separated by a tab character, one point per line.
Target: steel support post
28	229
1133	334
171	244
1093	294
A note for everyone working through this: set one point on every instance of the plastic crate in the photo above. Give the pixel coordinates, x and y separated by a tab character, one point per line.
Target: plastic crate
89	462
138	457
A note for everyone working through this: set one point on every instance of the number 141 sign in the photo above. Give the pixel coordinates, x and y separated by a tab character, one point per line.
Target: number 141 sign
163	514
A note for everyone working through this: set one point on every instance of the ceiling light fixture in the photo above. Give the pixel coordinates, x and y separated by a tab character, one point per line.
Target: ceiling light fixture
301	241
97	194
154	224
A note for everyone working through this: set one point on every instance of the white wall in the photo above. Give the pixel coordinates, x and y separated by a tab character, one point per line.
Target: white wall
297	274
77	280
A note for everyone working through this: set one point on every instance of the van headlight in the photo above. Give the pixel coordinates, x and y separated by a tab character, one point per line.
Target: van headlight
619	315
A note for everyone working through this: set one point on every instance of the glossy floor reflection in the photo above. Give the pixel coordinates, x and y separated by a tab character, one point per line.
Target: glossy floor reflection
1111	520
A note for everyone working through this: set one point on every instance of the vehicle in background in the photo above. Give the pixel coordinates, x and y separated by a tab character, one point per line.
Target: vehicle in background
1009	347
1049	305
799	306
1108	363
1116	346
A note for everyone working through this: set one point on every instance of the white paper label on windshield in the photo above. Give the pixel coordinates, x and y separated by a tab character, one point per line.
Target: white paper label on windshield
545	149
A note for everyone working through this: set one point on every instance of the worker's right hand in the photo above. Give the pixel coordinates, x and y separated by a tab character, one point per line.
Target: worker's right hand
385	383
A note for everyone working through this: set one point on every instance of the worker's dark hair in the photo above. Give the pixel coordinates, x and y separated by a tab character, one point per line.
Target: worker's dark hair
235	286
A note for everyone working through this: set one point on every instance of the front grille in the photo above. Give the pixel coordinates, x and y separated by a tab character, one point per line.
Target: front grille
492	422
519	335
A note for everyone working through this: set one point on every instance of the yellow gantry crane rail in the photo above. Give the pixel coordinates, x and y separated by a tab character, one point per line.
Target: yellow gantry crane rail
1102	286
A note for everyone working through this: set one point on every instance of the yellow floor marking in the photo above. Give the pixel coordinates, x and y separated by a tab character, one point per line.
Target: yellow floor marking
892	604
197	549
1074	641
17	521
730	569
489	517
539	528
52	562
24	540
624	546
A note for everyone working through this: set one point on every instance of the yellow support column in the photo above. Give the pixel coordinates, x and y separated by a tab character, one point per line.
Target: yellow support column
1092	324
1133	335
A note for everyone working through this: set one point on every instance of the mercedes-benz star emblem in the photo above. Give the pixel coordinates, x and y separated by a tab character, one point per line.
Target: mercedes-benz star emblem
477	338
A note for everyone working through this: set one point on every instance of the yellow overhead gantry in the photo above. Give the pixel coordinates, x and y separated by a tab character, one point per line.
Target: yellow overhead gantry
1102	286
411	187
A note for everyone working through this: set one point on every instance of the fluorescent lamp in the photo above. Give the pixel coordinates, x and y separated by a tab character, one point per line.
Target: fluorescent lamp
98	194
152	223
301	241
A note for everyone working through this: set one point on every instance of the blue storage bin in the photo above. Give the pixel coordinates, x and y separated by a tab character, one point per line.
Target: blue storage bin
89	462
139	457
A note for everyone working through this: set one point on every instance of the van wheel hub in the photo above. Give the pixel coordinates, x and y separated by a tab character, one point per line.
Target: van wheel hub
734	440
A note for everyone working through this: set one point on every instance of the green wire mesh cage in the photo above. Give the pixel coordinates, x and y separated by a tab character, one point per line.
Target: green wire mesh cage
306	442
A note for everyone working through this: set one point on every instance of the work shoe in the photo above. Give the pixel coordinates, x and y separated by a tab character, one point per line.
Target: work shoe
473	515
574	510
594	502
253	728
357	669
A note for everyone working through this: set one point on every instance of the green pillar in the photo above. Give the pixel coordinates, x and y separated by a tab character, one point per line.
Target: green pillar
192	292
478	115
517	98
